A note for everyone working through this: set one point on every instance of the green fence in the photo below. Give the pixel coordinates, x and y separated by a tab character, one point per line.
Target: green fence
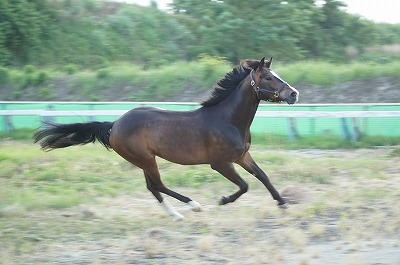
370	119
322	123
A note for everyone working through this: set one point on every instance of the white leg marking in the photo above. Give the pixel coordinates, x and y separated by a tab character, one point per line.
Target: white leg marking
196	207
171	211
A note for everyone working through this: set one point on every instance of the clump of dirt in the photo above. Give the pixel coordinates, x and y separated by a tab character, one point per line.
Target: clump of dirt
296	194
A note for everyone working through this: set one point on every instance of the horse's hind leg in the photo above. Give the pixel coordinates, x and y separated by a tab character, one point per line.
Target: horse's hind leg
155	185
164	203
195	206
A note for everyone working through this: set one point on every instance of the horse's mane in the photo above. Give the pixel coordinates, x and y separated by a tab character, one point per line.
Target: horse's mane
227	85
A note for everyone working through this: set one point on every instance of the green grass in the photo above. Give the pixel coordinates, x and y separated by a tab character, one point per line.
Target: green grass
34	200
64	178
134	83
90	198
323	142
270	140
324	73
395	153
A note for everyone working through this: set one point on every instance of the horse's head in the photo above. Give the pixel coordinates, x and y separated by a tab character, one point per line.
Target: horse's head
267	84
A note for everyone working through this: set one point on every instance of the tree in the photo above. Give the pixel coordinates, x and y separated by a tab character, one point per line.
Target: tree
241	29
23	24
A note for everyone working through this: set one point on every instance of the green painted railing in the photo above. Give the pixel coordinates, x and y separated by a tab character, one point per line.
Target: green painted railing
346	120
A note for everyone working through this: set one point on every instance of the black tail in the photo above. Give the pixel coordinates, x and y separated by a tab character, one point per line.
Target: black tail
53	135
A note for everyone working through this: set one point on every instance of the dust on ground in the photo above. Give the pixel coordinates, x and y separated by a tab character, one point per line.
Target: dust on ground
331	223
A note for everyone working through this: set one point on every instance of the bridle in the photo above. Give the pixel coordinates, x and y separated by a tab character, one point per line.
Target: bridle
275	93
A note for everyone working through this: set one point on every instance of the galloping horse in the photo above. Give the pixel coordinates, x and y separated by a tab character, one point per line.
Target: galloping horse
218	133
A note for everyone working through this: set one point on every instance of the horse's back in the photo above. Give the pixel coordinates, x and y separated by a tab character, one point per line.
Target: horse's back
178	136
151	118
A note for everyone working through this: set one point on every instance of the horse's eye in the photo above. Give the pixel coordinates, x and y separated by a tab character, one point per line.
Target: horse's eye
268	78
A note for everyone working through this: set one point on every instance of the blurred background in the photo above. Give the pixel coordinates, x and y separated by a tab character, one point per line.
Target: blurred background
95	50
92	51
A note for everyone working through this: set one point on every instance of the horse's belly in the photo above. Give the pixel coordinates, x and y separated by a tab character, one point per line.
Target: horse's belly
183	152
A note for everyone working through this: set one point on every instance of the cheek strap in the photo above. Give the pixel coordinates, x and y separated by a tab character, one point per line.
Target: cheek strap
264	90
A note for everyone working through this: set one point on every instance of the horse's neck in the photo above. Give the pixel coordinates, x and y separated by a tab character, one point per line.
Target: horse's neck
241	106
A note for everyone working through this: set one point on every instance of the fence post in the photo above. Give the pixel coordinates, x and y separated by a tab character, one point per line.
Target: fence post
4	123
7	123
312	122
345	130
293	134
48	118
91	118
356	130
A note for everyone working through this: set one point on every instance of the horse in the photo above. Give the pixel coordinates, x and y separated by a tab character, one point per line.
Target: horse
217	133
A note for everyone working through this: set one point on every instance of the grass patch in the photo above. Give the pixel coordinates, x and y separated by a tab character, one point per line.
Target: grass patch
85	199
19	134
324	73
151	84
322	142
395	153
41	200
369	194
188	176
61	179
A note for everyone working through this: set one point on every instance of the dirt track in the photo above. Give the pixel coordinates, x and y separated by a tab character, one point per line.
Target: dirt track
351	219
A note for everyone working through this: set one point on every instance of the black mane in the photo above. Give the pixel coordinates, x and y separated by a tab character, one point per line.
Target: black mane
226	85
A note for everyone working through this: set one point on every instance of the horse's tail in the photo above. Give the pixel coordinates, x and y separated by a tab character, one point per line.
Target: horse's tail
53	135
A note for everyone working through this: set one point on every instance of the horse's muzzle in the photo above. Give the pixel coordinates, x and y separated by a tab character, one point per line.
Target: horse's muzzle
293	97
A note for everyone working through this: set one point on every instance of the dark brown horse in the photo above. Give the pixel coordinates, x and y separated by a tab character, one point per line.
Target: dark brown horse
218	133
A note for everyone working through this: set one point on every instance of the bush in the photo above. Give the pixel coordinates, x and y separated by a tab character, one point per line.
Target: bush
71	69
4	75
96	62
211	65
29	69
25	81
17	94
40	78
46	93
102	73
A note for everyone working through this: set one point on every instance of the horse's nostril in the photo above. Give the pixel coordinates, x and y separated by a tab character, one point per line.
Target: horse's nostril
293	94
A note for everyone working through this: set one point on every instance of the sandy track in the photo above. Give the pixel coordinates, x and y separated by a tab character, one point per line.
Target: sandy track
344	221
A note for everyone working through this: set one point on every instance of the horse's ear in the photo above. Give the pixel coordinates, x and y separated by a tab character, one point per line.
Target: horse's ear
249	64
269	63
261	63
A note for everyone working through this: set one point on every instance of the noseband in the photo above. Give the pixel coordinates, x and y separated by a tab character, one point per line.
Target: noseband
275	93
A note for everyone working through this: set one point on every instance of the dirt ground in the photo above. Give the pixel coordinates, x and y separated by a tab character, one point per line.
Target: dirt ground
351	219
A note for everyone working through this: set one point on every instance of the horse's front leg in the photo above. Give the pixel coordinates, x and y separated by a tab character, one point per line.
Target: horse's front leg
229	172
248	163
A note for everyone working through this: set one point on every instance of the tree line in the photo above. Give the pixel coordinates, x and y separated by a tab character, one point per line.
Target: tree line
94	34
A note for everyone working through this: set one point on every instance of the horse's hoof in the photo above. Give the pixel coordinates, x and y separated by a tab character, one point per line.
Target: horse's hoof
282	205
178	218
223	200
196	207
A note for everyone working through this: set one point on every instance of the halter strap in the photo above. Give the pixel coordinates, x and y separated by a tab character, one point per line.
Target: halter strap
264	90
